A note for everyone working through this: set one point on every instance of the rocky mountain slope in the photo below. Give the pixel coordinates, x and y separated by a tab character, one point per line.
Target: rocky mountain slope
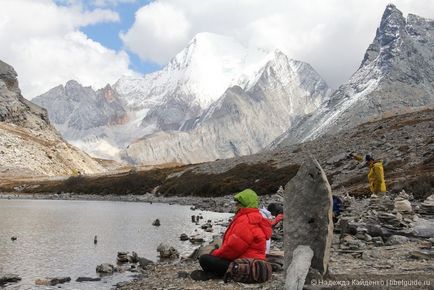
95	121
243	121
405	143
184	95
396	76
29	145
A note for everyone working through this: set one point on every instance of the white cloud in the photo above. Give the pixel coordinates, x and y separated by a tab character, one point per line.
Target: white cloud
152	38
332	35
105	3
43	43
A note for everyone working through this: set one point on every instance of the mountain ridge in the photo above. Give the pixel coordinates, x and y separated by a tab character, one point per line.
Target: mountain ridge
396	76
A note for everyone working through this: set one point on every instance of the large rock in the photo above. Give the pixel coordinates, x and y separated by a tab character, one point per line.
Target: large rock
297	271
308	214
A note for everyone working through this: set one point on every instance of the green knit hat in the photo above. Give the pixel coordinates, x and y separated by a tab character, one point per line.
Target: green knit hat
247	198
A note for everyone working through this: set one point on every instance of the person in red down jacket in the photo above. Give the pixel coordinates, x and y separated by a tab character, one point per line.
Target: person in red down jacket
245	237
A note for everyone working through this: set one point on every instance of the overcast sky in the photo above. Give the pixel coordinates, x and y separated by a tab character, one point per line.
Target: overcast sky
95	42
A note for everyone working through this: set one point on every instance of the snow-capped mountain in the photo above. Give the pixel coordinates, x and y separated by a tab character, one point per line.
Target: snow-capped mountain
195	78
180	96
244	120
29	145
396	76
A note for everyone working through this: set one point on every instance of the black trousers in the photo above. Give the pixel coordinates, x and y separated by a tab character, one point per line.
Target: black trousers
210	263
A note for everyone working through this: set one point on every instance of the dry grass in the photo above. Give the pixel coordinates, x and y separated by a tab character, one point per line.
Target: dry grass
262	177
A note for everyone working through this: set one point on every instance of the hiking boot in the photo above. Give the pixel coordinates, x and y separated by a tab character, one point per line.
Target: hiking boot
199	275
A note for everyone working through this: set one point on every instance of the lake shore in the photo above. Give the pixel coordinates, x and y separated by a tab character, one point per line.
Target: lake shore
222	204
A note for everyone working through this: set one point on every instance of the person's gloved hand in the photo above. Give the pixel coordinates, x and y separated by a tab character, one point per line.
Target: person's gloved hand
279	218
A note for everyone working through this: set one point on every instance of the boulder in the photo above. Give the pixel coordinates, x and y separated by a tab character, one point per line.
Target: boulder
105	268
299	267
396	240
9	278
424	228
306	222
167	252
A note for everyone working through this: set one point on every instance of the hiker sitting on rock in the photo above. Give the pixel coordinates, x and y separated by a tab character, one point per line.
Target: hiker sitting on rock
245	237
375	175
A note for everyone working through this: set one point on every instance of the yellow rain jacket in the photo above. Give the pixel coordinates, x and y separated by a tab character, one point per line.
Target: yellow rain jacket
376	177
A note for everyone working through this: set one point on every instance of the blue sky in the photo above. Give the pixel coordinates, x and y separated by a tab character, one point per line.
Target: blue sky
96	42
108	34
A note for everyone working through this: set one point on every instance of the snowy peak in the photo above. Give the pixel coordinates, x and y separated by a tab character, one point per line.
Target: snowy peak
388	36
243	120
396	76
211	63
211	78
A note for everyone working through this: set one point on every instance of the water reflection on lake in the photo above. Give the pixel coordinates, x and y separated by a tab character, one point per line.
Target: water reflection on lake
55	238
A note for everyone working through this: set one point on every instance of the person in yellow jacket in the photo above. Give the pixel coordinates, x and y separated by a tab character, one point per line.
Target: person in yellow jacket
376	180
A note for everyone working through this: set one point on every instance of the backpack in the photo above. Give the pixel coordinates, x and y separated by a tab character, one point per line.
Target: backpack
248	271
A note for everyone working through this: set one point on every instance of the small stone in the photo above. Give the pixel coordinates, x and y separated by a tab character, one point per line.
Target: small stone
402	205
52	281
143	262
196	240
396	240
378	241
9	278
87	279
156	223
207	225
422	254
425	245
183	274
167	252
122	257
134	257
183	237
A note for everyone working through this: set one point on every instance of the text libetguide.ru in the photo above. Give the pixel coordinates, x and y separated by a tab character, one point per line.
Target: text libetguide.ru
370	283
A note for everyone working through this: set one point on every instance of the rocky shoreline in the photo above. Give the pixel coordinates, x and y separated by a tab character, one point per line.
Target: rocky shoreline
220	204
386	239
